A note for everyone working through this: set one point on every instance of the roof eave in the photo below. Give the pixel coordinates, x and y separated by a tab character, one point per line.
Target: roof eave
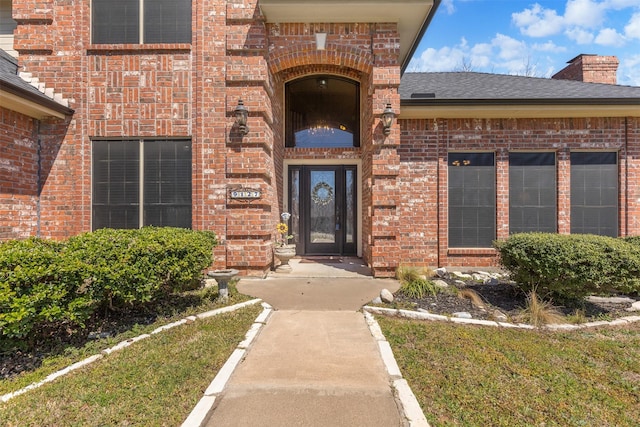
412	16
419	109
31	104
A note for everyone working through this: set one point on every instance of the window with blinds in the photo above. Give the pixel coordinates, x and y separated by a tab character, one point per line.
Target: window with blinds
532	192
152	174
141	21
472	200
594	193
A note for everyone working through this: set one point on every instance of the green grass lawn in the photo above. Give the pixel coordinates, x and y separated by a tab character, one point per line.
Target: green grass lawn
482	376
154	382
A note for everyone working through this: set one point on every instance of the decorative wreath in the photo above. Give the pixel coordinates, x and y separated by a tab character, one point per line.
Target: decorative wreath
320	199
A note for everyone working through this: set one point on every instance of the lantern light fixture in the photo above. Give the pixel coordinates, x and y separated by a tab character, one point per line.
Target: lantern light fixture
241	114
387	119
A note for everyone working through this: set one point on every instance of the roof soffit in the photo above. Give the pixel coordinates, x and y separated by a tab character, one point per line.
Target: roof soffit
411	15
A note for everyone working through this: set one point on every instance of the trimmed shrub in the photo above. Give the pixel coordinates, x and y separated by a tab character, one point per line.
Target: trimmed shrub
38	287
44	282
571	266
136	266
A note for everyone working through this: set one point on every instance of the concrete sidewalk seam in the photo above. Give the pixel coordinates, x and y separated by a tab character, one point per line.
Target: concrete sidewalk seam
202	411
408	402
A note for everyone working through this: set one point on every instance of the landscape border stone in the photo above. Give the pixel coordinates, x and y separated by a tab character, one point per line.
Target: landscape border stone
408	402
202	411
422	315
123	344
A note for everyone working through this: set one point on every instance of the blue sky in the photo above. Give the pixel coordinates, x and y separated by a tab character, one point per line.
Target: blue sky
528	37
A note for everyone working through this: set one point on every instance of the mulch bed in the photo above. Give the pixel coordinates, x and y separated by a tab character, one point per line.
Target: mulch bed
506	298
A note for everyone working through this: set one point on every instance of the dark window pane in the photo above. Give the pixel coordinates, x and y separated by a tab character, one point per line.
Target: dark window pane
167	21
116	188
594	193
532	192
167	183
472	198
323	111
115	21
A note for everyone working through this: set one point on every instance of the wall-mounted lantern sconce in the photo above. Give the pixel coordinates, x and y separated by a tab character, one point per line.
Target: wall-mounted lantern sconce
241	114
387	119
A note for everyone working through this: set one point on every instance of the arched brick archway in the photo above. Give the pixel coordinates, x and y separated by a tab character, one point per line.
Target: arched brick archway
306	55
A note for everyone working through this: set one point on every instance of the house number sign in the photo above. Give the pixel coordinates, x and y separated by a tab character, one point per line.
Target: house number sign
245	194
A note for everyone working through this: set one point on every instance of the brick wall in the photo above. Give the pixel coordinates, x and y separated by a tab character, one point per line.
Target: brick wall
423	226
18	175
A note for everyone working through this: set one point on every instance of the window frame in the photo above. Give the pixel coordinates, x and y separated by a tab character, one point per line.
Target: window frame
289	132
181	183
456	211
142	25
614	208
536	191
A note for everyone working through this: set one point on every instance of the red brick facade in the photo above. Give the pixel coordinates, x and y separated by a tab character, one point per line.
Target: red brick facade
191	90
18	175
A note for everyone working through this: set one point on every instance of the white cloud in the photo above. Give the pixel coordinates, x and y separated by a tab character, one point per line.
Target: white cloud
443	59
584	13
632	29
629	71
609	37
508	47
538	22
448	6
549	46
580	36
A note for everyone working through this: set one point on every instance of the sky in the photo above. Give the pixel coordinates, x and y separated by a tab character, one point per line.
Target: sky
529	37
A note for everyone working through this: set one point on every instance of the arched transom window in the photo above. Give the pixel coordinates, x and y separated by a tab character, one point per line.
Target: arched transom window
322	111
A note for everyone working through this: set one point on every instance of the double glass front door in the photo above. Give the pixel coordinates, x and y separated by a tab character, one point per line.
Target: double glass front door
323	209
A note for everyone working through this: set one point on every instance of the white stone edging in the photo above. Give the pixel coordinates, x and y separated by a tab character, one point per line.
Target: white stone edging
418	315
410	406
123	344
200	413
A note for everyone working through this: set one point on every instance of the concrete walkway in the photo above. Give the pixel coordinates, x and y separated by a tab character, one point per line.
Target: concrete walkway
315	363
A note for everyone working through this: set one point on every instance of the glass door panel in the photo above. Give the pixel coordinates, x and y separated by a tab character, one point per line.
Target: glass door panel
322	200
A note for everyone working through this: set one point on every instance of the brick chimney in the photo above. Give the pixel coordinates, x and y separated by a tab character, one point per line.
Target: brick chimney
590	69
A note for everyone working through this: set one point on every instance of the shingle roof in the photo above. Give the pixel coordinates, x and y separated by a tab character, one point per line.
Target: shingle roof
473	87
12	82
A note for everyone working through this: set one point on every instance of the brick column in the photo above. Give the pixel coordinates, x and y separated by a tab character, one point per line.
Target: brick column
385	255
249	158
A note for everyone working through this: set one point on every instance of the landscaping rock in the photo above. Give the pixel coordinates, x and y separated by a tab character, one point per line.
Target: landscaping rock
499	316
376	300
441	272
634	307
386	296
441	283
612	300
462	315
461	275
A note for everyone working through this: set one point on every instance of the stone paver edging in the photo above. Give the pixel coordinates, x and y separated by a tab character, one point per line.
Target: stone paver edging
418	315
410	406
201	411
123	344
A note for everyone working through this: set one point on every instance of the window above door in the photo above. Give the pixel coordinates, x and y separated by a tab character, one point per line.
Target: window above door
322	112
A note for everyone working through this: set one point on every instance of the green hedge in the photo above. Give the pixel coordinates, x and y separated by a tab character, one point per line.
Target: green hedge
571	266
37	286
51	282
